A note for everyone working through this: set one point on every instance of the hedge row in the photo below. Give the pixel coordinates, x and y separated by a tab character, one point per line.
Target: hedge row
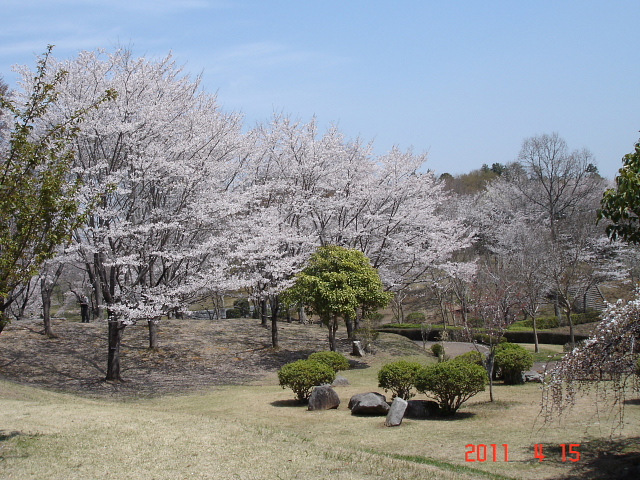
459	335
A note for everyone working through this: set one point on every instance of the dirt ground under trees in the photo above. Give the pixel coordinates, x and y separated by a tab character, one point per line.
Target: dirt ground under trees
193	354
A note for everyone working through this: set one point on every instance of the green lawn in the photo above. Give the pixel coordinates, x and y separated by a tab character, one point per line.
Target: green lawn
258	431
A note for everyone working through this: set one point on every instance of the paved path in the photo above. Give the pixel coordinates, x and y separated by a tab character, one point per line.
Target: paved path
453	349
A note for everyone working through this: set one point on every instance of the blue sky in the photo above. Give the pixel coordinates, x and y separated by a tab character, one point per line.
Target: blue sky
465	81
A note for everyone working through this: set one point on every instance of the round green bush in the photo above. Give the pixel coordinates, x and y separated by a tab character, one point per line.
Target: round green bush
302	375
437	349
511	360
474	357
399	377
233	313
451	383
335	360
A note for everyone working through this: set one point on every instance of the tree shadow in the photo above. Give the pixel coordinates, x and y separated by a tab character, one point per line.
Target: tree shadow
458	416
357	365
288	403
4	436
605	460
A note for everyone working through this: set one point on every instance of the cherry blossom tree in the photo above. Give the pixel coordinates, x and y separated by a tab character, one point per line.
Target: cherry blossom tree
333	191
497	299
552	196
39	203
607	361
155	165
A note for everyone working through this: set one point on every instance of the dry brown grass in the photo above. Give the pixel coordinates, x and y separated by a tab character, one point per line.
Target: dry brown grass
256	430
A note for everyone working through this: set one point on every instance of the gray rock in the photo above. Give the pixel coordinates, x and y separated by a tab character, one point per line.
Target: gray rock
340	381
371	403
359	396
532	376
357	350
396	412
323	397
421	409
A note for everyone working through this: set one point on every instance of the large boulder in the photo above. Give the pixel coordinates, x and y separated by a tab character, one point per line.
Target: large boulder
421	409
340	381
371	403
396	412
532	376
323	397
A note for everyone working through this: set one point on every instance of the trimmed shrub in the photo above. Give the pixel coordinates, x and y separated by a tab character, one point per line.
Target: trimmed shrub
542	323
415	317
451	383
511	360
543	337
302	375
335	360
487	339
242	304
437	349
233	313
399	377
474	357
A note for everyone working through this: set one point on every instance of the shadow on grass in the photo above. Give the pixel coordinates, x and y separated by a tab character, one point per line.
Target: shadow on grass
604	460
288	403
449	418
4	436
356	365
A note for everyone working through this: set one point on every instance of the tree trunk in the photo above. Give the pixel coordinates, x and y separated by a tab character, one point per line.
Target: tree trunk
4	321
97	288
46	308
333	327
275	306
357	322
535	335
571	334
263	312
302	316
490	364
116	327
25	300
349	324
46	291
153	334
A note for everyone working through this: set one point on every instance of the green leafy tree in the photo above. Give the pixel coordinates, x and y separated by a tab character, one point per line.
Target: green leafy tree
336	282
621	205
38	206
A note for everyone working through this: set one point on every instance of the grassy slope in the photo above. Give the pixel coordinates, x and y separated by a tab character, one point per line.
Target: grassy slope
257	431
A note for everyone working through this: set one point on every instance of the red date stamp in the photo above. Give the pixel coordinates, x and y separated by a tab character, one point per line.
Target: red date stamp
491	452
500	452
